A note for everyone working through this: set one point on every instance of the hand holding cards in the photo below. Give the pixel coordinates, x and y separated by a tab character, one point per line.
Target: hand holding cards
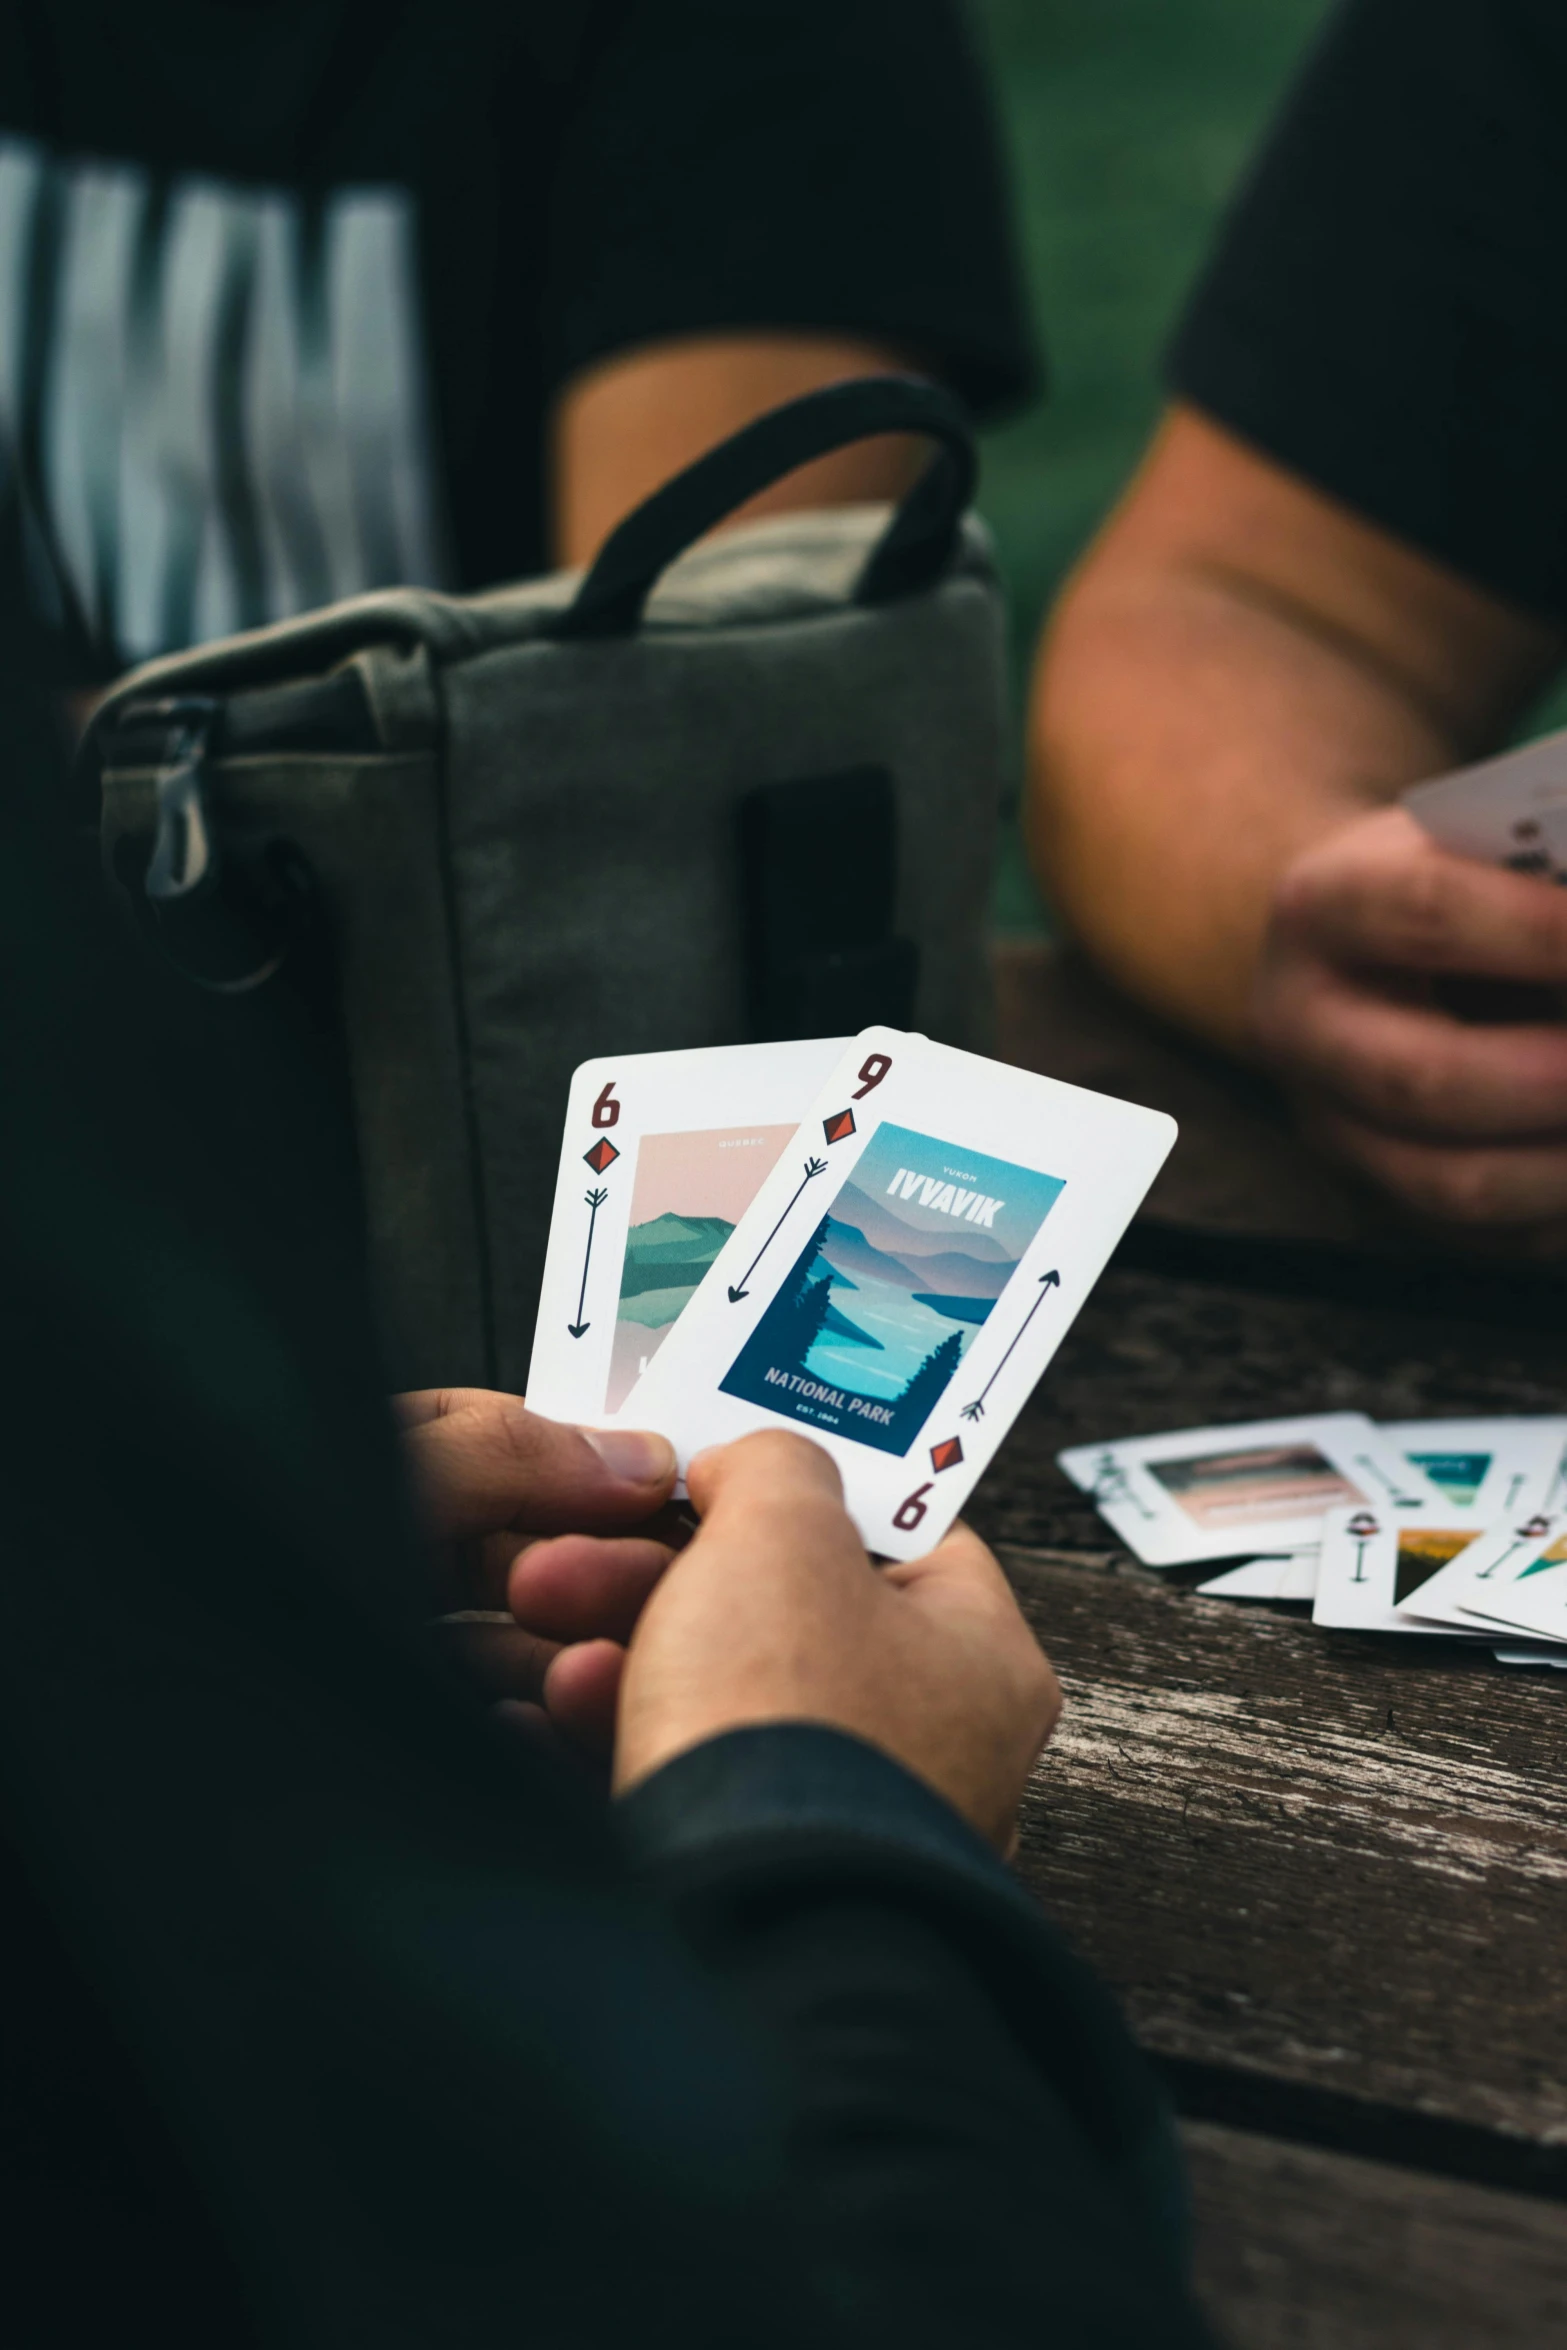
893	1289
1509	811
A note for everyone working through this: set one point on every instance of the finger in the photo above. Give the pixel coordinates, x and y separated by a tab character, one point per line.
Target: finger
500	1660
582	1691
579	1588
419	1404
1384	893
494	1463
959	1561
476	1574
1514	1188
525	1721
769	1467
961	1580
1412	1069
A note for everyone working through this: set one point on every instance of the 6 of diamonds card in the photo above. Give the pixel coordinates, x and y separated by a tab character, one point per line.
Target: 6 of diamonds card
904	1275
663	1153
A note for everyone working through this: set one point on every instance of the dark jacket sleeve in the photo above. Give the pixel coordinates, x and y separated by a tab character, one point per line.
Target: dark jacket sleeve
974	2136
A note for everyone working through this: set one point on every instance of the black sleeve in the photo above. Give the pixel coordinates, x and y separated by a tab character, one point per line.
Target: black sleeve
313	1994
1386	313
974	2134
828	164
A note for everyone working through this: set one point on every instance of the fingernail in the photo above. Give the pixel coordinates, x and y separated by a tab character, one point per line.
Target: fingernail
634	1454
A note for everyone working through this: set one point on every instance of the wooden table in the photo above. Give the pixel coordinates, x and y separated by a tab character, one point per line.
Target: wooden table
1325	1872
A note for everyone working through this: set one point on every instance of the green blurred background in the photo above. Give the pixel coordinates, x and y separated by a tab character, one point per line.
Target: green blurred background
1129	122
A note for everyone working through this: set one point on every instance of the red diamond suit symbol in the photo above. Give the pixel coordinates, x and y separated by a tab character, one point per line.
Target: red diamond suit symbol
947	1455
839	1126
602	1155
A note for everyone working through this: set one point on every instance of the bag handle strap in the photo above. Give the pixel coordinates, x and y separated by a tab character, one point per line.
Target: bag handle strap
913	551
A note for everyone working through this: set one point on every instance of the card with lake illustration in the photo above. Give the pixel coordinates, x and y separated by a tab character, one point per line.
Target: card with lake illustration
866	1332
904	1274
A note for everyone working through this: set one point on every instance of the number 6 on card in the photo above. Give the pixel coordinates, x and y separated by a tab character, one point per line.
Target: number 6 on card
904	1274
662	1154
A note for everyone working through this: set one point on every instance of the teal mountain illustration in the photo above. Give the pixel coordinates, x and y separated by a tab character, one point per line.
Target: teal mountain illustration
879	1222
807	1359
671	1252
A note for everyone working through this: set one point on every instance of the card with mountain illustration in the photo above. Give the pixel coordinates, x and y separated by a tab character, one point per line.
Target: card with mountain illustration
904	1273
866	1332
663	1153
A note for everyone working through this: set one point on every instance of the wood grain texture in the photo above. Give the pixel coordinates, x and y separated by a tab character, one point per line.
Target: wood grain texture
1303	2250
1326	1859
1336	1860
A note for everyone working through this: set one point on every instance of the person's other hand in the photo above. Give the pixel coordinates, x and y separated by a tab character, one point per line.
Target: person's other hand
491	1478
774	1613
1408	998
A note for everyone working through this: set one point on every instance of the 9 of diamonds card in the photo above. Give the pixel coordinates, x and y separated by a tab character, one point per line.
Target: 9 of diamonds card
904	1275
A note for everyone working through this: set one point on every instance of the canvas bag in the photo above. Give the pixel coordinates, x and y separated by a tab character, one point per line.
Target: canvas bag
688	798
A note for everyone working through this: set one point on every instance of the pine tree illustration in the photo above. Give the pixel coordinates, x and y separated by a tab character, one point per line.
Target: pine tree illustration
796	1320
930	1381
813	1313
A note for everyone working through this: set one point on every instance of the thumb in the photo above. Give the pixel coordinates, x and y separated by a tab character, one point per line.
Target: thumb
762	1474
488	1462
960	1568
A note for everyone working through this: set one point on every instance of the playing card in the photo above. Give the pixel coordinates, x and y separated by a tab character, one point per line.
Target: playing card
663	1154
1292	1577
1509	811
1516	1574
1491	1467
1372	1559
1212	1493
904	1275
1532	1656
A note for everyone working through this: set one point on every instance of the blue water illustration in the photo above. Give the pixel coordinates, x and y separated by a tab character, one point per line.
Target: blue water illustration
867	1329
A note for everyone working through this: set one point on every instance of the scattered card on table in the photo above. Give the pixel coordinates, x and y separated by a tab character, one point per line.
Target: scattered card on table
1292	1577
1494	1467
1213	1493
663	1154
1514	1575
1374	1559
1508	811
904	1275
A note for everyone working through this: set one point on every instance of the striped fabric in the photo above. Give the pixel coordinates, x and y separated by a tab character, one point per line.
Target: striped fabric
215	398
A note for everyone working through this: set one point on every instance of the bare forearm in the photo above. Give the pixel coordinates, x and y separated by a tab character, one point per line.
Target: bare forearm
630	423
1240	667
1188	741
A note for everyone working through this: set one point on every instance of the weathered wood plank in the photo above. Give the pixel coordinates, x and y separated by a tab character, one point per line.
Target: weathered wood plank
1325	1858
1303	2250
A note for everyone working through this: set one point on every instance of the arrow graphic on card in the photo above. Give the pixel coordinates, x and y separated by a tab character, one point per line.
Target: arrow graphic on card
813	1168
976	1409
595	1200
